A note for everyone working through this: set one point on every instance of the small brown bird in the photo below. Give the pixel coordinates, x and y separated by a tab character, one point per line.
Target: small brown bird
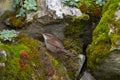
53	44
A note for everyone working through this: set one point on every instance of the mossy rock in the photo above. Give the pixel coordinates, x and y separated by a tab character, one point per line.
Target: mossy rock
90	7
28	59
103	39
16	22
10	19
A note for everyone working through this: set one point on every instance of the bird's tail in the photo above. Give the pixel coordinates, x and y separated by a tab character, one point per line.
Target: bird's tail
68	52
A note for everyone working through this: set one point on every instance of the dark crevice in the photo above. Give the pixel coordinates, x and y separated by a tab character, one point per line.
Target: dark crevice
86	40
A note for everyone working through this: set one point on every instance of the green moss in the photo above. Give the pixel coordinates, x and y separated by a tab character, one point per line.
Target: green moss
83	17
73	46
117	24
102	41
97	54
35	16
55	77
12	20
17	21
13	69
55	62
72	32
2	59
89	7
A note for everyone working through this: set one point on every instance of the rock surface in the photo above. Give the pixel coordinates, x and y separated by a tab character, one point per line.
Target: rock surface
53	9
5	5
117	15
87	76
110	66
61	10
81	62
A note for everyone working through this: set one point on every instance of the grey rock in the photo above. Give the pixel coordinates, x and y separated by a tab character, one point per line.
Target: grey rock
81	60
57	29
3	53
60	9
117	13
118	42
34	30
87	76
110	69
5	5
2	64
52	10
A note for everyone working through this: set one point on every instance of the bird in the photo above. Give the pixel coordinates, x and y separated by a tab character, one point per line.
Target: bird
53	44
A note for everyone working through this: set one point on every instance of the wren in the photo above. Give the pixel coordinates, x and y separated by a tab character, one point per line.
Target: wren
53	44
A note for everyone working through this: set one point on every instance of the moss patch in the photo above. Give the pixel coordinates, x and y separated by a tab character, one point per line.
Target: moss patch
12	21
17	22
90	7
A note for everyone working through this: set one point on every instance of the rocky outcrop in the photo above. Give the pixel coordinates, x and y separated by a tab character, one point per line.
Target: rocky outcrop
101	53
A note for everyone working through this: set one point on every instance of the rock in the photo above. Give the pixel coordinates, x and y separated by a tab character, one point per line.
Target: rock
103	53
51	10
2	64
34	30
87	76
110	69
3	58
61	10
3	53
117	13
57	29
5	5
48	11
117	45
104	41
81	61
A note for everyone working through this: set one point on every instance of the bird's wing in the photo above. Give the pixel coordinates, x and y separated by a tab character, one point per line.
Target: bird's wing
55	43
